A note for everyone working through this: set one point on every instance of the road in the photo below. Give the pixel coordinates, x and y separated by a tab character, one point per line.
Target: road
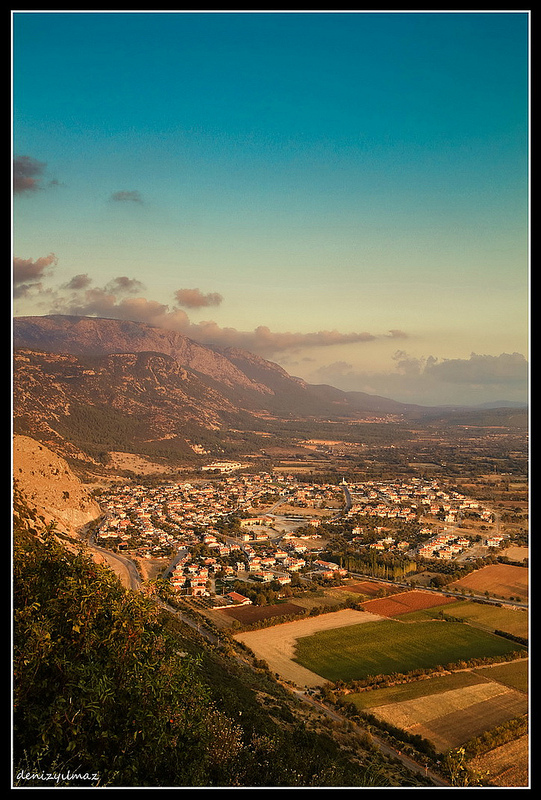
192	623
123	566
348	499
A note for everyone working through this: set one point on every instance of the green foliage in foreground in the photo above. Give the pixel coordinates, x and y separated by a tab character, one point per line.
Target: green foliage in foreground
98	689
104	690
386	646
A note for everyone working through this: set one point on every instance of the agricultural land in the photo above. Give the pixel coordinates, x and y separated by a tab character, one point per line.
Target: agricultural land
400	604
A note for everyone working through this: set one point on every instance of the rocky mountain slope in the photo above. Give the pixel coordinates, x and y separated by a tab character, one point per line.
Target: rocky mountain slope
244	378
50	486
90	336
86	387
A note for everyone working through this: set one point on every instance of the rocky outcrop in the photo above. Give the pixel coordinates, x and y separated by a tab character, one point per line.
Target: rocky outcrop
51	487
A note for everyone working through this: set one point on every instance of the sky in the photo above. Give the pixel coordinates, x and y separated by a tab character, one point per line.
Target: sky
343	193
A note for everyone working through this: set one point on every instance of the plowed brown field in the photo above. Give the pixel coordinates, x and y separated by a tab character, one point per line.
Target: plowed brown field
501	580
449	719
250	614
405	602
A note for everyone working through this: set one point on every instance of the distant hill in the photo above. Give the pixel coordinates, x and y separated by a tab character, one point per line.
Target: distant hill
88	386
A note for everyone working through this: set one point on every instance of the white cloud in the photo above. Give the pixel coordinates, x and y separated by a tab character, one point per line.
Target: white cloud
433	381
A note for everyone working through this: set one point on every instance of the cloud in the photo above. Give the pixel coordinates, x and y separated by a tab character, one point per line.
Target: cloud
433	381
475	370
127	197
105	302
266	342
194	298
27	273
27	173
397	334
411	365
481	369
123	298
408	378
78	282
124	284
80	298
335	372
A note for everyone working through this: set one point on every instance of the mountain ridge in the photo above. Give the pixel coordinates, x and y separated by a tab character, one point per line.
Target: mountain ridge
86	387
234	367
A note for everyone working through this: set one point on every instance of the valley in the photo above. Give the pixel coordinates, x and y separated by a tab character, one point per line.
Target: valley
372	558
308	577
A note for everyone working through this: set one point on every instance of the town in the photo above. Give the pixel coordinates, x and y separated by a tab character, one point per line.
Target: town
273	528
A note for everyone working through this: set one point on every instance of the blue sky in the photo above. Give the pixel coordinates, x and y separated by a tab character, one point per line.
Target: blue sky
344	193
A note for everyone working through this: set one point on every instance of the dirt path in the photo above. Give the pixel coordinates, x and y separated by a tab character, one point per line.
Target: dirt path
276	645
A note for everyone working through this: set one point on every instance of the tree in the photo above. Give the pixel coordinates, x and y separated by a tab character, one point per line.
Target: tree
98	684
456	766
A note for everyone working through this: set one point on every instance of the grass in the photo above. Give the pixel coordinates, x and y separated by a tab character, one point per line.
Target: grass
381	648
514	675
488	617
411	691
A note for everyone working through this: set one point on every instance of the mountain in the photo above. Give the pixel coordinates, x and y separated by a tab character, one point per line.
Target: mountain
242	377
89	336
86	387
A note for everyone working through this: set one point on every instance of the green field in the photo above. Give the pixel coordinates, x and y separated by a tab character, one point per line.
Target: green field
482	615
387	646
515	675
410	691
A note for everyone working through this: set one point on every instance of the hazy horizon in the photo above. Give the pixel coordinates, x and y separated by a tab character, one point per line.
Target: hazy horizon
343	193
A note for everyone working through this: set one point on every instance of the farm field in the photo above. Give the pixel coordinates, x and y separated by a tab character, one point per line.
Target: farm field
276	645
506	765
372	698
369	588
517	553
489	617
448	710
500	580
330	597
513	674
449	719
405	602
250	614
388	646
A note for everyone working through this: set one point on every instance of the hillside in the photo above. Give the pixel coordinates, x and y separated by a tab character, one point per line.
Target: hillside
50	485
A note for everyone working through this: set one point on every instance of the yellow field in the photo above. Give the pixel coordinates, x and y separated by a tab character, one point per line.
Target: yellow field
449	719
500	580
506	765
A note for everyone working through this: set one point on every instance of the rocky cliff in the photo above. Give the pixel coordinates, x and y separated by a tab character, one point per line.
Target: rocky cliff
51	487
